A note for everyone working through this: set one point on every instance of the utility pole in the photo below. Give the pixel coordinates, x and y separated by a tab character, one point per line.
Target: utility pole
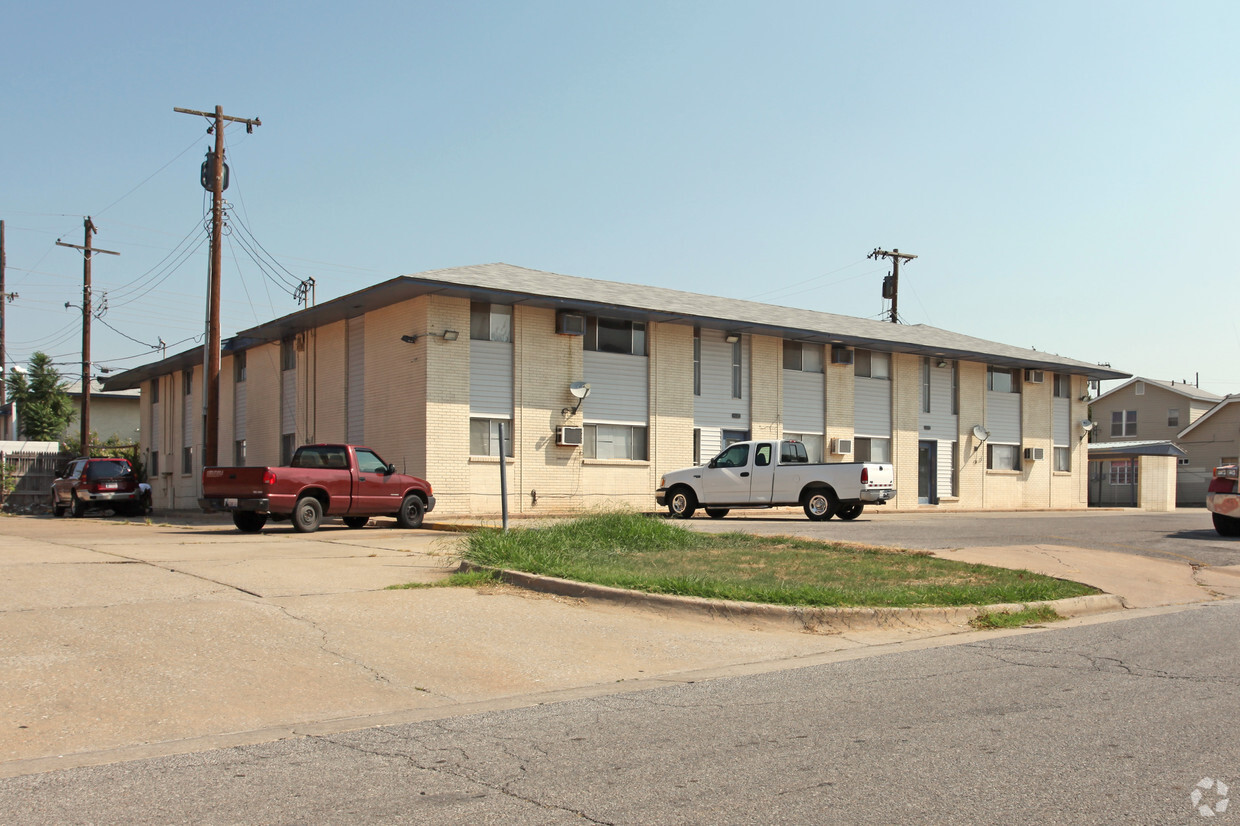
87	251
891	284
215	181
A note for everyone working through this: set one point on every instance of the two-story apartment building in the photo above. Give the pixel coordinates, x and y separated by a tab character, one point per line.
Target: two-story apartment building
428	368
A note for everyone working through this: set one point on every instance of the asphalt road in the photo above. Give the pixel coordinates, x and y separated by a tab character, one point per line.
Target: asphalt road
1110	721
1185	534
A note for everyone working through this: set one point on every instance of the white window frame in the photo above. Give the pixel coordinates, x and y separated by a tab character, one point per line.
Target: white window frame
1125	425
1173	417
1121	472
795	353
497	318
1010	450
814	443
634	441
864	449
489	438
1062	458
871	364
994	385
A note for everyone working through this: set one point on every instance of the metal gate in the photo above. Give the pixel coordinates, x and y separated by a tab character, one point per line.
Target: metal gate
1113	483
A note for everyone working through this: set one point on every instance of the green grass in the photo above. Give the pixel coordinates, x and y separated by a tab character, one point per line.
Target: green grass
628	550
460	579
1015	619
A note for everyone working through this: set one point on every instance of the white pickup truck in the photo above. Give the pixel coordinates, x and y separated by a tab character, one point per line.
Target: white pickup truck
767	474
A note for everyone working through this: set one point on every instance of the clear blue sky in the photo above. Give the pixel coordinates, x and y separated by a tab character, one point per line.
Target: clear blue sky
1067	172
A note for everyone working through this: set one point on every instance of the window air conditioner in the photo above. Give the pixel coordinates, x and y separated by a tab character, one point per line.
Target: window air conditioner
1033	453
841	355
570	324
569	436
841	447
1034	376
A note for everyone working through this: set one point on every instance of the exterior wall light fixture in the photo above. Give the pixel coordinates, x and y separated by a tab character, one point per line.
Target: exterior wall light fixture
446	335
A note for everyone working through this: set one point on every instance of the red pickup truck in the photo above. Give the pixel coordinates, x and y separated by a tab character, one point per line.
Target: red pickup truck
322	480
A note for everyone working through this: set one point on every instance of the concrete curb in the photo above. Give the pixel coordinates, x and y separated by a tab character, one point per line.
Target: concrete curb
795	618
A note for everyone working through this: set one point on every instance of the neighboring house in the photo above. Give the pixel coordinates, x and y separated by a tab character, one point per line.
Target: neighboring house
113	413
427	368
1212	440
1147	410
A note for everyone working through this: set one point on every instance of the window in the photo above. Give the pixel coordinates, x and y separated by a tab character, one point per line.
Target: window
733	456
367	462
187	382
1063	386
288	354
239	366
612	441
187	460
793	453
490	322
1139	389
1002	380
925	384
154	391
239	452
615	335
728	437
697	366
812	442
955	389
803	356
484	437
1063	459
697	446
736	369
866	449
1122	472
1123	423
762	456
871	365
288	445
1002	457
1173	417
153	470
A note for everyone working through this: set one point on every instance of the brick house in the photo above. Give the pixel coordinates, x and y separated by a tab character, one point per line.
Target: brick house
427	368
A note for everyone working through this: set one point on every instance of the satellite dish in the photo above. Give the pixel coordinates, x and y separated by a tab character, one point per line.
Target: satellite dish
579	389
1087	425
980	433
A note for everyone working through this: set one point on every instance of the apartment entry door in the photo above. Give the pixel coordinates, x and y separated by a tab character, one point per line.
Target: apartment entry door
927	473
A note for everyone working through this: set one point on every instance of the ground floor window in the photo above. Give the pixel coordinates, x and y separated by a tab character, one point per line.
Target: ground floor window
813	444
187	460
1063	459
697	442
239	452
153	470
288	446
484	437
615	441
1002	457
869	449
1122	472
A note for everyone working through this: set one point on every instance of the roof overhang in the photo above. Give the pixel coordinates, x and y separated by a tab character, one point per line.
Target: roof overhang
1103	451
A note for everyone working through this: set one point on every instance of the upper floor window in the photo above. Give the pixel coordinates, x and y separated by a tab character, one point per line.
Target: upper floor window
490	322
615	335
1124	423
803	356
1139	389
288	354
187	382
737	377
1173	417
697	362
1063	386
239	366
872	365
1002	380
925	384
154	391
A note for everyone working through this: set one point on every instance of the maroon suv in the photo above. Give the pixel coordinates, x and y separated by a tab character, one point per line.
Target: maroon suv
97	483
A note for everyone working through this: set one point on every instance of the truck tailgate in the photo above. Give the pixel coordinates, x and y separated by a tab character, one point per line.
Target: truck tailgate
233	482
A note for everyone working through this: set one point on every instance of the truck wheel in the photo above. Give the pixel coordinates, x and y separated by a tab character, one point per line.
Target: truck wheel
307	515
716	513
850	512
411	512
1226	525
821	505
249	521
356	521
681	503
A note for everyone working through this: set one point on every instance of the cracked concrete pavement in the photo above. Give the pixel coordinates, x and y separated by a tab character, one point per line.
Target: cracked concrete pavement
123	640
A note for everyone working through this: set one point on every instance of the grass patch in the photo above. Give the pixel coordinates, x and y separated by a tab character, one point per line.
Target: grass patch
1015	619
628	550
460	579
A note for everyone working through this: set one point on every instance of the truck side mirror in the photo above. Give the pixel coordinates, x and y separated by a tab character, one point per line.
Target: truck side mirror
390	469
713	462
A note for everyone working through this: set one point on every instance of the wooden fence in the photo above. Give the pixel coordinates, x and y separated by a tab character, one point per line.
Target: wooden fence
35	473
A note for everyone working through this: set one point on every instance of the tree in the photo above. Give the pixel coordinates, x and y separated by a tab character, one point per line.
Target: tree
44	408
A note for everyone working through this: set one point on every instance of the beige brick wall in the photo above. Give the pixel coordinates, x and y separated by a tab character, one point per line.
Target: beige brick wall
262	395
905	426
393	422
840	383
971	453
1036	425
671	399
327	383
443	430
1156	477
766	387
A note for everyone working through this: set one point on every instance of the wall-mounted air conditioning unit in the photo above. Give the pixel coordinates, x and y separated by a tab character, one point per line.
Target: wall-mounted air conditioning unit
841	355
569	436
1035	376
841	447
570	324
1033	453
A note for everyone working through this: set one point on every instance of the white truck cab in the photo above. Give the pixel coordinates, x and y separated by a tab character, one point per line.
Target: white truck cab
768	473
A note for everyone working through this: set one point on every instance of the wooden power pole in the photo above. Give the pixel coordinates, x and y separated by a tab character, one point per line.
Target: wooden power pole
216	181
87	251
891	289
